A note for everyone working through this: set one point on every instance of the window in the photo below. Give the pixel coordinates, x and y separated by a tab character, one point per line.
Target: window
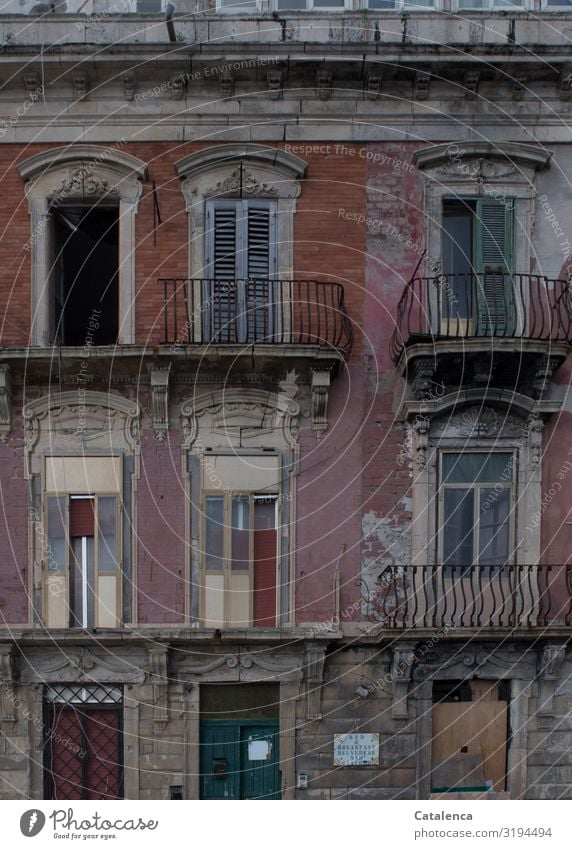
304	5
491	4
476	502
82	544
85	275
476	285
241	262
240	559
83	200
380	5
237	6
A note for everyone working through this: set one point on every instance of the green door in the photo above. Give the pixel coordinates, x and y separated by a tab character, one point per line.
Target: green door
493	262
239	759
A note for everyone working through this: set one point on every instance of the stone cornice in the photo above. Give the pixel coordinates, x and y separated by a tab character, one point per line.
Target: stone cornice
520	154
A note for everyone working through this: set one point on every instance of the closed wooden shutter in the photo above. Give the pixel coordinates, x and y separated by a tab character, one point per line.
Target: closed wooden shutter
81	517
240	249
494	264
224	242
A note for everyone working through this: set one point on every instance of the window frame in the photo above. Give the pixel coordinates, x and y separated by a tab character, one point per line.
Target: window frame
66	571
61	175
228	495
476	487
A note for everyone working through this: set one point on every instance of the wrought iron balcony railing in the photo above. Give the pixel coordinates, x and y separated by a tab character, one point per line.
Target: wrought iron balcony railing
494	304
262	312
508	597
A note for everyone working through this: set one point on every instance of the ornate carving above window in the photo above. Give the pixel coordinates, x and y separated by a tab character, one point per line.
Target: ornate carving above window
74	423
247	172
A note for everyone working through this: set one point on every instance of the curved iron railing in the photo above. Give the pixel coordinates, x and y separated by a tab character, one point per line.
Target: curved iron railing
491	304
263	312
471	597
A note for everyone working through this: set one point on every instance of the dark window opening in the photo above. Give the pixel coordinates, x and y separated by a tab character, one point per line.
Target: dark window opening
451	691
86	275
240	701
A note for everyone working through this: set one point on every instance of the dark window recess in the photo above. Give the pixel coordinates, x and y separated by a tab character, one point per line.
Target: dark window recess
86	275
240	701
451	691
148	7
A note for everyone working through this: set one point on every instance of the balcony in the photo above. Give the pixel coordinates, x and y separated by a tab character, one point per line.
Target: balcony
277	319
509	598
495	328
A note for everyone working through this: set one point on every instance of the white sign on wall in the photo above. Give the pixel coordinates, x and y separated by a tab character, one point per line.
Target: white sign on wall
356	749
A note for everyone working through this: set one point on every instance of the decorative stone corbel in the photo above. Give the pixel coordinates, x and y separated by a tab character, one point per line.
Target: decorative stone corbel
7	679
324	84
518	86
400	674
421	86
315	658
320	386
421	426
158	677
274	80
471	84
80	87
129	83
226	84
33	86
177	87
373	89
5	402
543	374
565	85
535	428
159	381
550	665
423	370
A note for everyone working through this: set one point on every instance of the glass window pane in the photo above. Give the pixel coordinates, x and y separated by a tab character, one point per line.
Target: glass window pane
240	540
238	5
494	526
382	4
330	3
214	542
107	520
264	513
294	5
458	527
56	549
477	467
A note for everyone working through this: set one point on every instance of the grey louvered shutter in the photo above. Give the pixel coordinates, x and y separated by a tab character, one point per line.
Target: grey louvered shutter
219	290
494	265
260	261
224	242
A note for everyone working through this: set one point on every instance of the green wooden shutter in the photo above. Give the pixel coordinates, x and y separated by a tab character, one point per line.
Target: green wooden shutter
494	264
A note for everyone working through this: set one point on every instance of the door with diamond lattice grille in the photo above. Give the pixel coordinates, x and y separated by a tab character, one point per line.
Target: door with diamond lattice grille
83	749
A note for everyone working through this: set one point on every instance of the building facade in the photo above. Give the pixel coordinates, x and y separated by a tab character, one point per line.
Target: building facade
285	427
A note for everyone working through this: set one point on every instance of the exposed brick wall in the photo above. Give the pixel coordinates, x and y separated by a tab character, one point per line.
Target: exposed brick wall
328	507
161	532
321	244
